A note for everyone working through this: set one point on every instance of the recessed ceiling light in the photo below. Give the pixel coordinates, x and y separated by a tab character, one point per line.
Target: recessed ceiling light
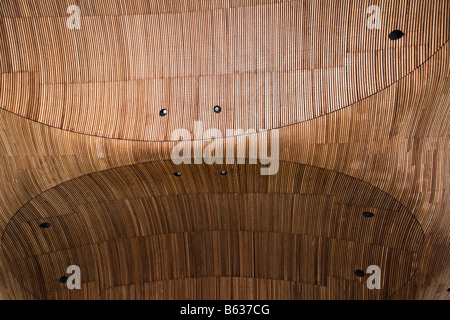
162	112
359	273
45	225
368	214
396	34
177	174
217	109
223	172
63	279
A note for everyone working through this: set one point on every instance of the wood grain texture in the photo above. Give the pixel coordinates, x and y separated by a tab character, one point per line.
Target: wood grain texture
363	124
269	65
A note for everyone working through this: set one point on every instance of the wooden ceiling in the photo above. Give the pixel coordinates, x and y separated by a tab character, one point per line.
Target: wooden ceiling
363	124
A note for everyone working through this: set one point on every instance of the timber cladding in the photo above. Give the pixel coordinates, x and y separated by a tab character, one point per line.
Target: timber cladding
363	125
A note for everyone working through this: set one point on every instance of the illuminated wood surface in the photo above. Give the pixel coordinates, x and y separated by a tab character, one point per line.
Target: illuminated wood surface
363	124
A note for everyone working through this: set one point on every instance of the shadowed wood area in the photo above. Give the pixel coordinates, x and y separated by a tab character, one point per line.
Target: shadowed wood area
363	125
141	224
269	64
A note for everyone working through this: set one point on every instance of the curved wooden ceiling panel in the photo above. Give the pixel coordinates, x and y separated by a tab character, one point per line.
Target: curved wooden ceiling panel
267	65
362	127
141	224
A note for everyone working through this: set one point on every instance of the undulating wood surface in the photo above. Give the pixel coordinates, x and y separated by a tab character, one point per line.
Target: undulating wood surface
363	123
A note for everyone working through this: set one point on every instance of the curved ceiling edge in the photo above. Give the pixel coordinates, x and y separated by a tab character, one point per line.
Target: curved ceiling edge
164	130
331	174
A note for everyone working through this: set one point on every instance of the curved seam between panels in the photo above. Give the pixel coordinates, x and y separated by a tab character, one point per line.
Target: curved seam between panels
206	231
244	134
156	235
168	160
159	160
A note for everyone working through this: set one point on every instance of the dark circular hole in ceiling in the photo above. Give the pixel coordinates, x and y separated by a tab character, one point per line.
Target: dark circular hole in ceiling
223	172
396	34
177	174
63	279
217	109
